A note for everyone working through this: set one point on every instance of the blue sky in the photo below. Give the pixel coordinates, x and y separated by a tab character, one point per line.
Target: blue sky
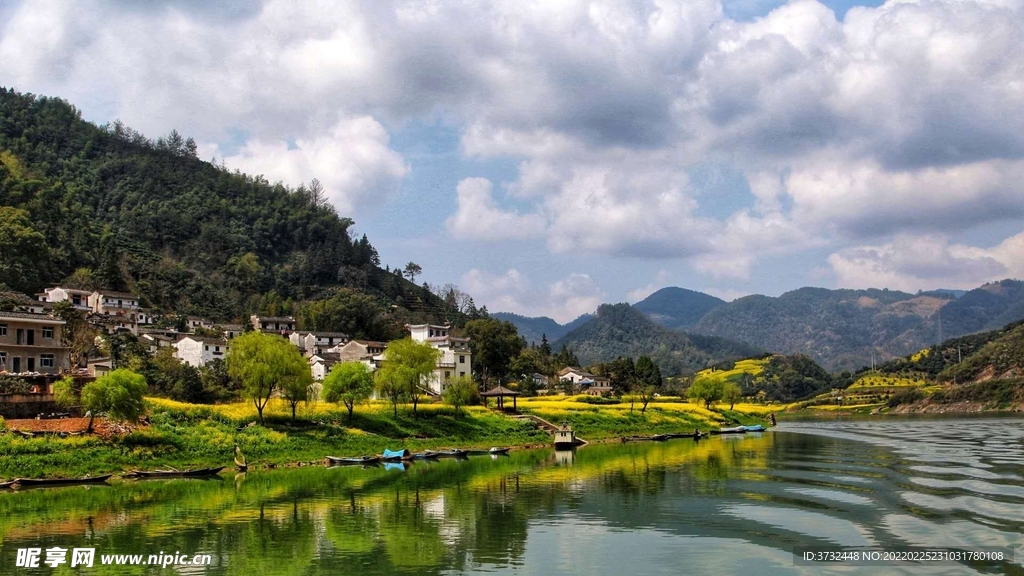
550	156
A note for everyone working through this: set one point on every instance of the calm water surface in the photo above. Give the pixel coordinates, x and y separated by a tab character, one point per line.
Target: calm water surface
722	506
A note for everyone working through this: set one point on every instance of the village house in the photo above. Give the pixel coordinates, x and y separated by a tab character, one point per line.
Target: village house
231	330
585	381
78	298
455	359
195	322
115	303
365	351
198	351
32	343
278	324
111	323
315	343
18	302
321	364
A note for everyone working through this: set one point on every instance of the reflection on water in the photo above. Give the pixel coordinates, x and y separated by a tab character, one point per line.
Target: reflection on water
724	505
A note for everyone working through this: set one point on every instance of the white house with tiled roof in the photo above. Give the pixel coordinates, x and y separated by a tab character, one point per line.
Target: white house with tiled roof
78	298
311	343
199	350
276	324
455	359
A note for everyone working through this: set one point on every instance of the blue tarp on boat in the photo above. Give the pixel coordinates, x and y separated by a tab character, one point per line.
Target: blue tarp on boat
403	453
755	428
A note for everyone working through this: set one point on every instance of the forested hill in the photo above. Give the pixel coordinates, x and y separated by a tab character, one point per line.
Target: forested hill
679	308
105	207
535	329
621	330
844	329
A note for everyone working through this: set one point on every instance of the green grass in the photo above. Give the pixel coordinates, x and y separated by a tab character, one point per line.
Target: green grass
187	435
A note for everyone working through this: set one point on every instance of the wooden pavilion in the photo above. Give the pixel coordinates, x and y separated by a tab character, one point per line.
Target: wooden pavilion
500	392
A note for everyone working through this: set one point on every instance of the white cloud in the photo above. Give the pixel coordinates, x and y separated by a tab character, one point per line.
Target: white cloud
352	161
563	300
927	262
478	218
899	119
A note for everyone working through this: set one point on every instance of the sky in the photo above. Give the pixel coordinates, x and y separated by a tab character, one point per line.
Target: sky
548	156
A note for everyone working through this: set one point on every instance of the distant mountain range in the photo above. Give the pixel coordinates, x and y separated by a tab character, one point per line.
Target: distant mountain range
840	329
622	330
534	328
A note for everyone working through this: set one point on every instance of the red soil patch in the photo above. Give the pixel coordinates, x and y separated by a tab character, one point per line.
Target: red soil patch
101	426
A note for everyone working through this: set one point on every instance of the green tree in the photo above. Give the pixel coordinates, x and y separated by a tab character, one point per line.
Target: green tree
23	251
648	372
262	363
391	381
420	360
412	270
459	392
644	393
350	383
494	345
296	380
731	393
705	389
118	393
64	393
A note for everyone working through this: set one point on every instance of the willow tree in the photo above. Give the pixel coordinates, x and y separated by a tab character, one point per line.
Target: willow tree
419	360
350	383
118	393
264	363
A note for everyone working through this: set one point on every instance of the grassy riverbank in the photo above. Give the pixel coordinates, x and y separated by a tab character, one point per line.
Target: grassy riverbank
188	435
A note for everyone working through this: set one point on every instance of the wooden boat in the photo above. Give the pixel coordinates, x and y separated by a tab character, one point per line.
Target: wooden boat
733	430
29	482
193	473
336	461
428	455
446	453
5	485
498	451
755	428
395	455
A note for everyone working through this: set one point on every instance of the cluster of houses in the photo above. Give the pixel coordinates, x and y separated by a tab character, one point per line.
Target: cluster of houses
31	341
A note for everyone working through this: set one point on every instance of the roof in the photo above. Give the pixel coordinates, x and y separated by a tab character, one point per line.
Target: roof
68	290
328	358
445	327
113	294
500	391
582	373
275	319
328	334
204	339
370	343
45	318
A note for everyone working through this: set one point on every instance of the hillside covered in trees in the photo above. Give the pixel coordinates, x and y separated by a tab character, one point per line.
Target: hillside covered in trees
105	207
621	330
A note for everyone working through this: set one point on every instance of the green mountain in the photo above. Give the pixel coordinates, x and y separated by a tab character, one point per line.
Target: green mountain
105	207
621	330
674	307
847	329
534	328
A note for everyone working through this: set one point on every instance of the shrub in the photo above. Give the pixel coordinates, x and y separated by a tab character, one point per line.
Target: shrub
906	397
3	426
13	385
598	400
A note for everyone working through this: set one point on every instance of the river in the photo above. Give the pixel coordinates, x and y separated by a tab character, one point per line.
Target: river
726	505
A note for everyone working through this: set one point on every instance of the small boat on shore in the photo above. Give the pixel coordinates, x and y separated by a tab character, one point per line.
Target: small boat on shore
755	428
498	451
447	453
192	473
655	438
428	455
5	485
336	461
395	455
733	430
32	482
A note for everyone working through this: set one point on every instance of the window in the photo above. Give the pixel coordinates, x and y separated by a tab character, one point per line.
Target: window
3	329
46	360
447	374
31	364
20	336
207	348
462	359
48	333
